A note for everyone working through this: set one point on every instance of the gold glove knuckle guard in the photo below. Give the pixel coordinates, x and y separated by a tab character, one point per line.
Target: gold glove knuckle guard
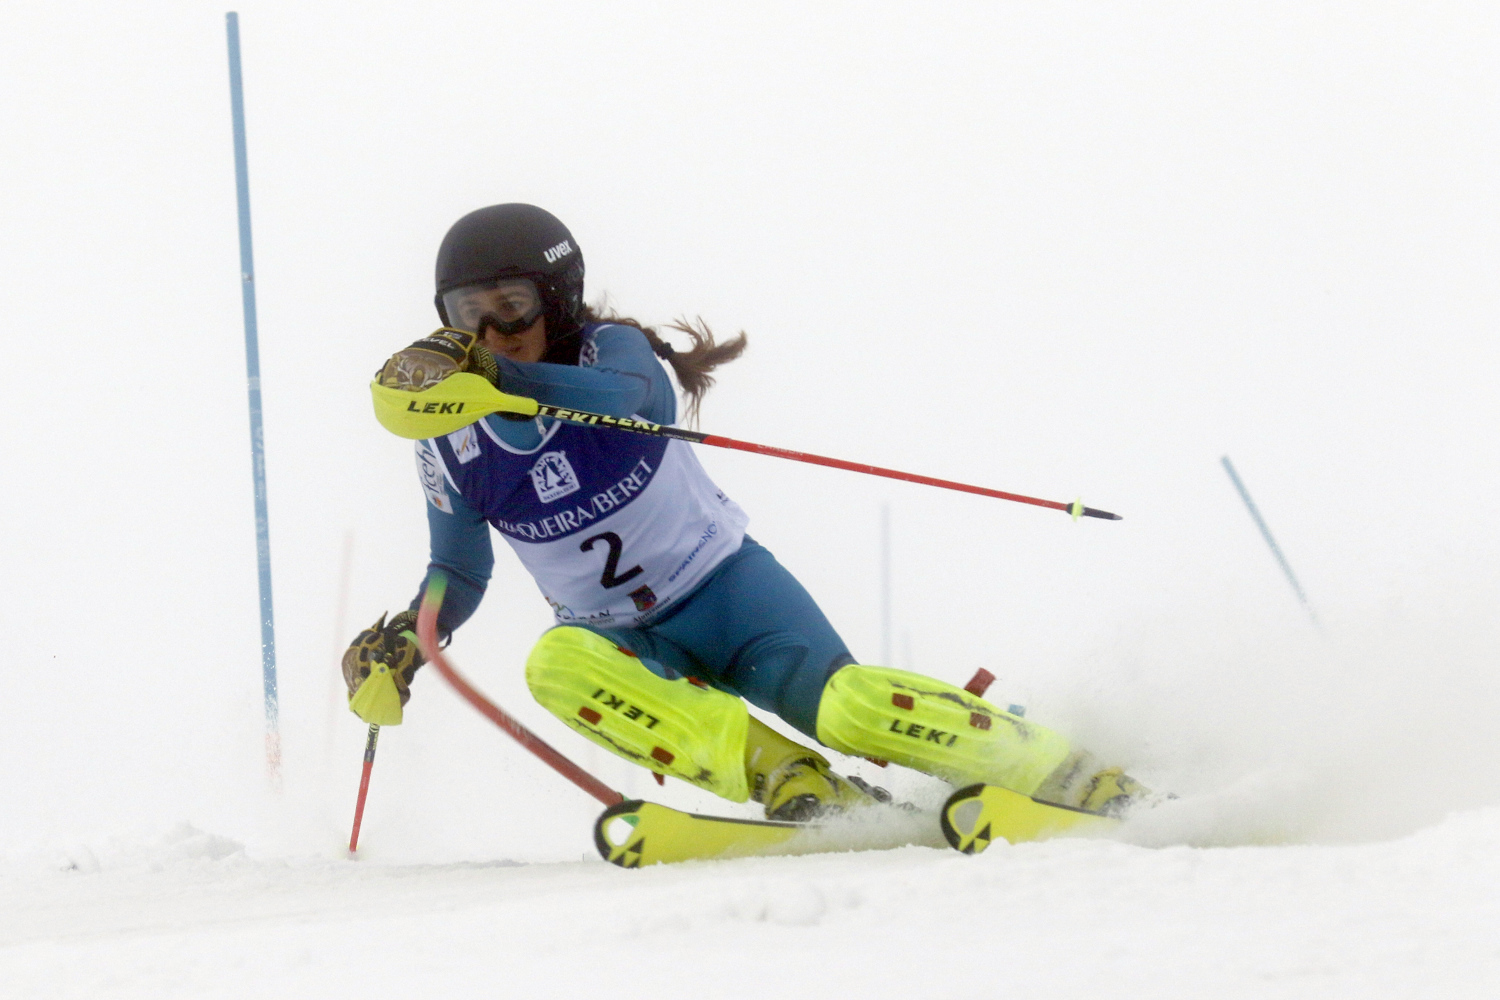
354	670
672	727
934	727
440	354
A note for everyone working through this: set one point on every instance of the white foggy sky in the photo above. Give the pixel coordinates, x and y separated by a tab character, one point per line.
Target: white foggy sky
1084	249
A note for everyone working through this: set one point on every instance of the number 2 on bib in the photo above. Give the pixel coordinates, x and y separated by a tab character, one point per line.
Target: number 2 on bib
607	579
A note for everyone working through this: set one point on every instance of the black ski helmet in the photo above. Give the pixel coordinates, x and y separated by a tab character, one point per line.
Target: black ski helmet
521	241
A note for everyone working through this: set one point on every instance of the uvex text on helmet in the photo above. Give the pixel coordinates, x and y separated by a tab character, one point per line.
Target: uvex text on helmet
516	240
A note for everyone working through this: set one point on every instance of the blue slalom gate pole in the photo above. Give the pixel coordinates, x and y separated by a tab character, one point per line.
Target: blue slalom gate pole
257	433
1265	533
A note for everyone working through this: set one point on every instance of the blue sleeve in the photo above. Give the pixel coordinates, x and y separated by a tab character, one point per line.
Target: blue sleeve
461	549
626	378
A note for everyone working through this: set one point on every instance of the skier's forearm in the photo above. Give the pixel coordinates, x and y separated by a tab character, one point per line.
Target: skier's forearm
624	379
461	600
461	548
618	394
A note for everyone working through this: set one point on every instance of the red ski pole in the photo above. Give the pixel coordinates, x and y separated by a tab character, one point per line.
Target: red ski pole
364	787
432	600
460	399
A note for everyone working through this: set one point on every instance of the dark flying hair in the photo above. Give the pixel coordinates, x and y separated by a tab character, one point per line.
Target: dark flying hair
693	367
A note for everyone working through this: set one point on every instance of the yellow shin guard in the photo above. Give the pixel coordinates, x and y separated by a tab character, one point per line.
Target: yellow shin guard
672	727
935	727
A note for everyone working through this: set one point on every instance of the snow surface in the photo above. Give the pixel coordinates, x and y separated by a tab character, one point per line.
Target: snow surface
189	914
1334	837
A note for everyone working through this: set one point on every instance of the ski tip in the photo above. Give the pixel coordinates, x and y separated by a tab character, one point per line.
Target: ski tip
611	839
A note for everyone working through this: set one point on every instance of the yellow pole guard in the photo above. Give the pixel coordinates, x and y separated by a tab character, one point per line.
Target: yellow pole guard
457	401
376	700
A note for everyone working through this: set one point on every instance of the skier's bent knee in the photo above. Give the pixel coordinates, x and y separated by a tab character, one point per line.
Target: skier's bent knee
673	727
942	730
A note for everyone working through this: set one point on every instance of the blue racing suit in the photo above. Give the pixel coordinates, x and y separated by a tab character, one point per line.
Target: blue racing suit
681	586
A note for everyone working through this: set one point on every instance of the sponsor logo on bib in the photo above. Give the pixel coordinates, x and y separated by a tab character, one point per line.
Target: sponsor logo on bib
431	475
465	444
553	477
644	598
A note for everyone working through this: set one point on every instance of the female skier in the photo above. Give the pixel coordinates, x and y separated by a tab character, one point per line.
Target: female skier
669	617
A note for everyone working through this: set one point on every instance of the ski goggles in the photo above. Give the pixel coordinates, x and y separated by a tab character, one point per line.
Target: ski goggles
510	305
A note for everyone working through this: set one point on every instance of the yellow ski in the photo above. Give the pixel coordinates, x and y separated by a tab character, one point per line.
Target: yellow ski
634	833
976	816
